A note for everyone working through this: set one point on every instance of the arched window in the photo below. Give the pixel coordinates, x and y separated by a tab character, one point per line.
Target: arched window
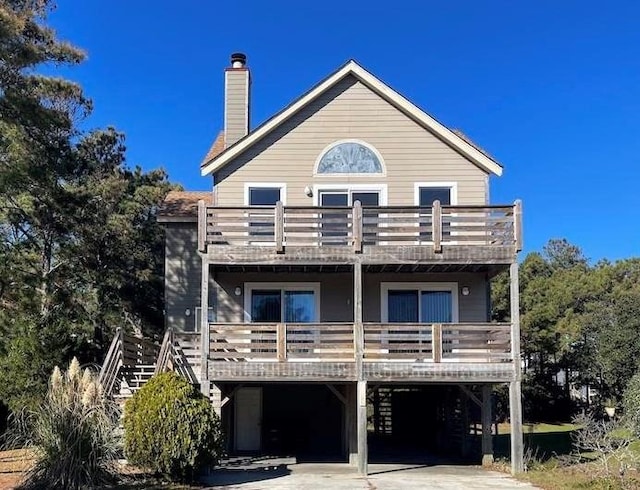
350	157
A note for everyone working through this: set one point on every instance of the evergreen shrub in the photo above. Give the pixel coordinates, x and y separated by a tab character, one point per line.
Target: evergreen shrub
171	429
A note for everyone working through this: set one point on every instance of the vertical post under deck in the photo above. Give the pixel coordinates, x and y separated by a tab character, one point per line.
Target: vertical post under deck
487	440
205	387
361	394
351	424
362	428
515	389
358	333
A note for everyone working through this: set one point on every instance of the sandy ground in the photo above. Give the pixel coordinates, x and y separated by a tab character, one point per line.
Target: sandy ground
287	474
12	466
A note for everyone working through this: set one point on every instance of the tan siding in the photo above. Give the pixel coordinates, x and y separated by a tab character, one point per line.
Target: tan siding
351	111
236	106
335	290
472	308
336	293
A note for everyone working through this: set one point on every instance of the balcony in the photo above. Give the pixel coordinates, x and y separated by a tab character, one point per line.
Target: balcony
380	351
371	235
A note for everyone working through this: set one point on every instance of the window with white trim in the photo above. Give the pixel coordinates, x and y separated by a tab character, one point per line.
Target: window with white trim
426	195
198	315
349	157
417	303
420	302
282	302
261	223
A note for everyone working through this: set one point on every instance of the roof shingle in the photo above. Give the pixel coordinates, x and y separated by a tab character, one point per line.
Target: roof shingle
182	204
217	147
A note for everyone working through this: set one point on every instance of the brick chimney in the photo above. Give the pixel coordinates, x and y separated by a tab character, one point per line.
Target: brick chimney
237	83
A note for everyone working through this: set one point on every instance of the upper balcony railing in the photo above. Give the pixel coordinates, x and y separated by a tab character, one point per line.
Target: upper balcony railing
359	226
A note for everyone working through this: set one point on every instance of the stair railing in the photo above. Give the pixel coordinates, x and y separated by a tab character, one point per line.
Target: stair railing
112	363
172	358
125	350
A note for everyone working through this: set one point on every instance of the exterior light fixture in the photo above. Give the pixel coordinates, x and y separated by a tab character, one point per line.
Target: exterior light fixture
308	191
187	312
238	291
465	291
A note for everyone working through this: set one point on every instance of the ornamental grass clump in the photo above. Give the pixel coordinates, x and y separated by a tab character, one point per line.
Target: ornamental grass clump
171	429
72	434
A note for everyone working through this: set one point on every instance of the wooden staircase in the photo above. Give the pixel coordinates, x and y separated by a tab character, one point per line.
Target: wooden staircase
131	361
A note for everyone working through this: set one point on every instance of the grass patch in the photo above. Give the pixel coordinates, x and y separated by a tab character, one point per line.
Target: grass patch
544	441
577	477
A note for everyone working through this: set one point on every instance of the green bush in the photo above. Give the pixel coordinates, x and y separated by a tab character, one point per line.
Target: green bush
72	433
171	428
631	404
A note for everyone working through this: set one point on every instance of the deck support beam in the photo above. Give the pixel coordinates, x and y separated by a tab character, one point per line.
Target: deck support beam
205	387
361	389
351	424
515	389
362	428
487	417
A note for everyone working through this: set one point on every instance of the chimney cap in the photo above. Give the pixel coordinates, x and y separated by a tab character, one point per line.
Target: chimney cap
238	60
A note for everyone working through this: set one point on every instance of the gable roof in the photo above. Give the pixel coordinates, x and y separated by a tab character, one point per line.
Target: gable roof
470	151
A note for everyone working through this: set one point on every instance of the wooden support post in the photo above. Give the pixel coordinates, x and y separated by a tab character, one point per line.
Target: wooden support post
436	225
356	228
515	389
351	424
279	227
358	332
486	416
202	226
436	339
204	328
362	428
281	349
517	224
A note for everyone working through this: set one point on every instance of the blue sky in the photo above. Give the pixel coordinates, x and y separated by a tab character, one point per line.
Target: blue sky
551	89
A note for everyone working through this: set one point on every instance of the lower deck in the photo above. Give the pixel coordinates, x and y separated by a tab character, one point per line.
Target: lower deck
315	407
407	353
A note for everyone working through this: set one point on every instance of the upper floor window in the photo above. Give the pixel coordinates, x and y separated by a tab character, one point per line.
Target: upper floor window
350	157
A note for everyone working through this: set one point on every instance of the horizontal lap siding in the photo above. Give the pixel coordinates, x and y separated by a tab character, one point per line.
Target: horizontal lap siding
236	106
472	308
336	293
351	111
182	274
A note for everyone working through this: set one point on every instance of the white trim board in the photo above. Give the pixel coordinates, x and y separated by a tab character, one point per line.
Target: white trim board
419	286
381	189
287	286
476	156
451	185
372	148
267	185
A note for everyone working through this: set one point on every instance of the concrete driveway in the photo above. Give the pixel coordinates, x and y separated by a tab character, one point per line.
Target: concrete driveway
286	474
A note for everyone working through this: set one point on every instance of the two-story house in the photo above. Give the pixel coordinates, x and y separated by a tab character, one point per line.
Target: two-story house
343	258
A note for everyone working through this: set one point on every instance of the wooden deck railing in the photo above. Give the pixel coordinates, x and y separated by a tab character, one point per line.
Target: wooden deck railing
281	342
285	226
439	342
397	342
